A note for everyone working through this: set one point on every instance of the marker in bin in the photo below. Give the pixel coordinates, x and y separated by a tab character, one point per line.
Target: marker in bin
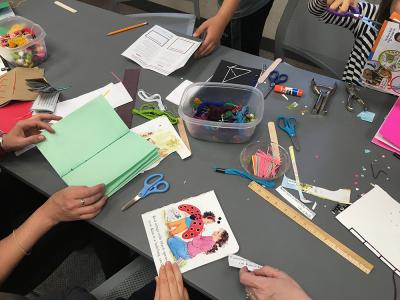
288	90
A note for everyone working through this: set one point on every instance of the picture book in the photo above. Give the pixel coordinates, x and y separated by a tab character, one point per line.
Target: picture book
162	133
192	232
382	69
92	145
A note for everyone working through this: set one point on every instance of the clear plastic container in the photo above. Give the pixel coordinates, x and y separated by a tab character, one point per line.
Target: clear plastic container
30	54
252	148
219	131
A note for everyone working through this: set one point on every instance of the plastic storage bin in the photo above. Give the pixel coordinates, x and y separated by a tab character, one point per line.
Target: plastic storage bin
219	131
29	55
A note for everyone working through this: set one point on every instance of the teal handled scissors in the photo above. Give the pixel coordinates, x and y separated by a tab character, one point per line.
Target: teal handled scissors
151	186
275	78
288	125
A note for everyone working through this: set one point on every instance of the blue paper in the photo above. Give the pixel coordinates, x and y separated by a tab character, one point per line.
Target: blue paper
366	116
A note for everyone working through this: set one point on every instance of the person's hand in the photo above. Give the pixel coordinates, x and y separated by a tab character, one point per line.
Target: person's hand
74	203
268	283
342	6
27	132
169	284
213	28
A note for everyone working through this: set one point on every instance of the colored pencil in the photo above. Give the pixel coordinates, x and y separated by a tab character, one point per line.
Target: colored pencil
127	28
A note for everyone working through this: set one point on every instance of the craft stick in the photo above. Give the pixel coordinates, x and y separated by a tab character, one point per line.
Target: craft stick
183	134
274	140
127	28
66	7
296	176
268	71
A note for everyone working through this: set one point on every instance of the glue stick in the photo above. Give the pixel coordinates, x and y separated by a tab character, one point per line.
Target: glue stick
288	90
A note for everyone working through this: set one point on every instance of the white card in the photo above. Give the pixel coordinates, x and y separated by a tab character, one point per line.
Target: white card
176	95
238	262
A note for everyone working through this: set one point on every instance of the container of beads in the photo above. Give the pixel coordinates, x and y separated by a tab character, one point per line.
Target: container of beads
22	42
221	112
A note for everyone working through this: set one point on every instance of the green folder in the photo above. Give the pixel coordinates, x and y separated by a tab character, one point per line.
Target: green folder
93	145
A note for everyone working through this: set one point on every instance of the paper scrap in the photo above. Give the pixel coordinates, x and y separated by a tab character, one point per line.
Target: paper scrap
161	50
115	94
296	175
341	195
176	95
366	116
366	151
293	105
239	262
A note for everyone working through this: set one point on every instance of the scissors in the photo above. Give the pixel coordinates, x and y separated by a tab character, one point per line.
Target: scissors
275	78
156	186
354	12
288	125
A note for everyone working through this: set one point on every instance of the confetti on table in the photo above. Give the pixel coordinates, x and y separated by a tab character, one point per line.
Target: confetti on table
293	105
366	151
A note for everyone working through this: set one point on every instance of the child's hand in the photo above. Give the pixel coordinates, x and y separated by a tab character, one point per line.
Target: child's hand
213	28
341	6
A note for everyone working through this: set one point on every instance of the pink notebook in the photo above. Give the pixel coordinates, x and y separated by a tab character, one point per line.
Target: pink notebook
388	135
390	129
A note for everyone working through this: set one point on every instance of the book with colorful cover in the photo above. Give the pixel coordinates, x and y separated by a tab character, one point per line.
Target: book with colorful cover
382	69
192	232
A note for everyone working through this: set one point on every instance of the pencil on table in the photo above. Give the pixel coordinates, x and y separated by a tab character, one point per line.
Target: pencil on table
127	28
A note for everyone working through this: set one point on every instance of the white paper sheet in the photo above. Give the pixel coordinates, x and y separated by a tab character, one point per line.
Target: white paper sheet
116	95
176	95
161	51
375	220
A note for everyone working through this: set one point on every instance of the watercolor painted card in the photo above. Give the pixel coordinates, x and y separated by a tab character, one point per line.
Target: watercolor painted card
192	232
162	133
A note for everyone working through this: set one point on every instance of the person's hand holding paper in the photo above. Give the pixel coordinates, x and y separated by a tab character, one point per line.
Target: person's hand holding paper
28	132
93	145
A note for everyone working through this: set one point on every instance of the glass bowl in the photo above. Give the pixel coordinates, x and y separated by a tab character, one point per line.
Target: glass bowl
252	148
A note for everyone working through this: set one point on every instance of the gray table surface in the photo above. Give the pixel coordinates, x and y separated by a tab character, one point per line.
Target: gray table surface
332	156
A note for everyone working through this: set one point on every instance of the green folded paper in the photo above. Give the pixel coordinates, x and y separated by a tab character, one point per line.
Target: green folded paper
93	145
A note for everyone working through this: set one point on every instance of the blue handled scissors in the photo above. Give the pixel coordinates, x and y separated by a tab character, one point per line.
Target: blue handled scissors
354	12
151	186
288	125
275	78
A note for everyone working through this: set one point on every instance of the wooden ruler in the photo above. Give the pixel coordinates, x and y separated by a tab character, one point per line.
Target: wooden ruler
316	231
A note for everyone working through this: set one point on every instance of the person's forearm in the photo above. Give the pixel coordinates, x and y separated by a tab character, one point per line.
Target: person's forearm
227	10
14	247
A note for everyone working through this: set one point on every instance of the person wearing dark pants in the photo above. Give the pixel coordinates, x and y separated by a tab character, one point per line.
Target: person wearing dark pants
239	24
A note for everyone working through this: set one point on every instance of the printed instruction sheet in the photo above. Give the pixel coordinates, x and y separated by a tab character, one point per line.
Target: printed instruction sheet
161	51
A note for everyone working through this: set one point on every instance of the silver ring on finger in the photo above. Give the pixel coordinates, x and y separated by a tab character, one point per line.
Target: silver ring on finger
83	203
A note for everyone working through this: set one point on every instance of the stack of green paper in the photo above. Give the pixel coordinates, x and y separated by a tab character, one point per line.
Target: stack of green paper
93	145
